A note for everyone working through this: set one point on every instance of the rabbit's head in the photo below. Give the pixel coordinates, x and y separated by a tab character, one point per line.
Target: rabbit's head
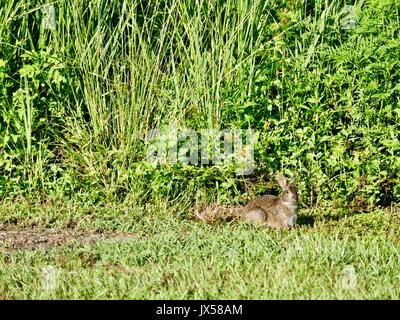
289	198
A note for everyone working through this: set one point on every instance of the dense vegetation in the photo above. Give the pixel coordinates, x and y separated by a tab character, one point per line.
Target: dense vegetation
79	96
76	101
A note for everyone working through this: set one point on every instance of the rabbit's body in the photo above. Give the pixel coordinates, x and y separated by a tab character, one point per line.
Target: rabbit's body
280	212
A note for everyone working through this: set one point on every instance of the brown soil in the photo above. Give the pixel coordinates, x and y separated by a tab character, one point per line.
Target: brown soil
216	212
15	238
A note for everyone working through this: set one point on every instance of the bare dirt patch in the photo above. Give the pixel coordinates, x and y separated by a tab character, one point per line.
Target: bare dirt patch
16	238
211	213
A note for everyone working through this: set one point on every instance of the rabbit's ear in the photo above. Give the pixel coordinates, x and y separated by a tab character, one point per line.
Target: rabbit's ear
291	183
281	180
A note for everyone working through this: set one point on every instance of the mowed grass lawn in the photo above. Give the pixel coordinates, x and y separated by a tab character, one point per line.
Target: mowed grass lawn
165	256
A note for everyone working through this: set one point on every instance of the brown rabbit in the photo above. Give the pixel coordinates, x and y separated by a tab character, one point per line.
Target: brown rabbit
273	211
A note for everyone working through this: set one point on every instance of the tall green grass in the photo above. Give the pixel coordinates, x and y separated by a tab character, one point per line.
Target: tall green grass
78	102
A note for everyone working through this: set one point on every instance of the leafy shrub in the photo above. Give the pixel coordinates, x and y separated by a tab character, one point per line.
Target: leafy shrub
77	102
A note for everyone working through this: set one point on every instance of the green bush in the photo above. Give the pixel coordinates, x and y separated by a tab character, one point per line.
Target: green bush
77	102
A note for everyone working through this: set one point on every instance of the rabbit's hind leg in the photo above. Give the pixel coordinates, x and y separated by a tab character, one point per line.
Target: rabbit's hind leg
256	215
